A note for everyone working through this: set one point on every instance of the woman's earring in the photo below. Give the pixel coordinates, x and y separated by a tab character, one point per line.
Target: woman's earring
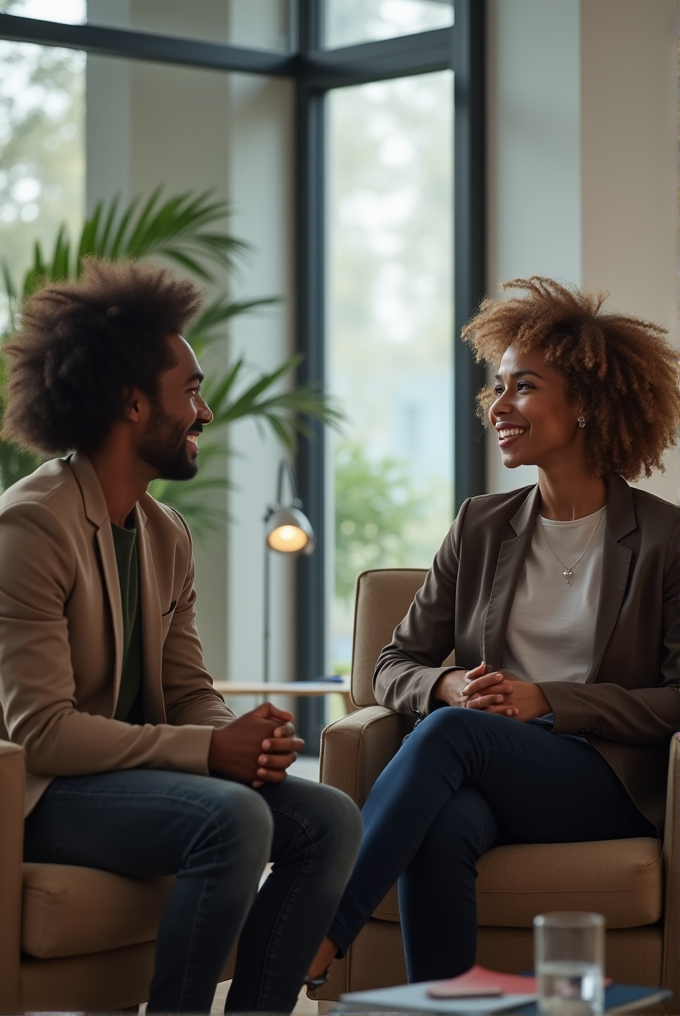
581	420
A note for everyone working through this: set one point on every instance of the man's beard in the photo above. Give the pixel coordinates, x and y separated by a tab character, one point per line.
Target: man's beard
163	446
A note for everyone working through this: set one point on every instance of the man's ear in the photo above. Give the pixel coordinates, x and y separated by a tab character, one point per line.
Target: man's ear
133	404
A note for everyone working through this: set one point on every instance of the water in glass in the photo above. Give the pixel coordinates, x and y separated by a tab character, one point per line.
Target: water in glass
570	988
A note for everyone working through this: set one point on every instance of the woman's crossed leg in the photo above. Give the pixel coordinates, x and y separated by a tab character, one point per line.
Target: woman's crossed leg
463	781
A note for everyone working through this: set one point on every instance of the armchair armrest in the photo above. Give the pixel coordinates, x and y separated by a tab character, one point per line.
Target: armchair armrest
356	749
671	859
12	770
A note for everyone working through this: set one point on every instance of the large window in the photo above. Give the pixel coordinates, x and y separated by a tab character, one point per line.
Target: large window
390	322
42	145
366	102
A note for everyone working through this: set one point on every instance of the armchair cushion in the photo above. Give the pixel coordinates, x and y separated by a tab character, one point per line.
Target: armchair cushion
621	879
70	911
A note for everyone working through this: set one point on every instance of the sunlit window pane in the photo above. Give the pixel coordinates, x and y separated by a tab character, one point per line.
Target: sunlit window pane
390	328
348	22
42	151
68	12
261	24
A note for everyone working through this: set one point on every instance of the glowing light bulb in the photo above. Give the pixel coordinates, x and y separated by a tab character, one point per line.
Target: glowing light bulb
287	539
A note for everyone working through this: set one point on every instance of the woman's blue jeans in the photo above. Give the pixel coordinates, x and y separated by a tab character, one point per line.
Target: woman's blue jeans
216	836
462	782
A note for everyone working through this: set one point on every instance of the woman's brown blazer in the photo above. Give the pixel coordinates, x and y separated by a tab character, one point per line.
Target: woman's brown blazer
629	705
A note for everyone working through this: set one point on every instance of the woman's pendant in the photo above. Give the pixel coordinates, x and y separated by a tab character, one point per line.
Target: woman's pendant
568	574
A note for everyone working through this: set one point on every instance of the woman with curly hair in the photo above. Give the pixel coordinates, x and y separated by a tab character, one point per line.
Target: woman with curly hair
562	602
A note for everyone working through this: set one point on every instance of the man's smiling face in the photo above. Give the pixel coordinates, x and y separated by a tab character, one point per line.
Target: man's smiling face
178	414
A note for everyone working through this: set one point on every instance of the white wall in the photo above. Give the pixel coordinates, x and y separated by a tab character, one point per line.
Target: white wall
534	156
108	105
534	139
630	136
582	159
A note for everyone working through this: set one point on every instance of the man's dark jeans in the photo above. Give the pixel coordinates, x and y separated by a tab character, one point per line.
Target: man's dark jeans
216	836
462	782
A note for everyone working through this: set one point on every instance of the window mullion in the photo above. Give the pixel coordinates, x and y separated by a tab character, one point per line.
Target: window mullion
310	174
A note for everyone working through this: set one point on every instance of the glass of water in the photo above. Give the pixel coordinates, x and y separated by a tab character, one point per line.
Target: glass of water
569	956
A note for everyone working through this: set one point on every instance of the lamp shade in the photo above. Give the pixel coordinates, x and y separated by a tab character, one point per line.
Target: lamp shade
289	531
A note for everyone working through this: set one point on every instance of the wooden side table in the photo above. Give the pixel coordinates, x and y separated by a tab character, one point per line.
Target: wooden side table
295	688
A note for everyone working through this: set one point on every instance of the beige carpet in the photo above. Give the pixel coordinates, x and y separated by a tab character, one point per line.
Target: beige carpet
304	1007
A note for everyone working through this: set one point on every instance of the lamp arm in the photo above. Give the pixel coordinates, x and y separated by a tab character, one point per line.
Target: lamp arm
285	468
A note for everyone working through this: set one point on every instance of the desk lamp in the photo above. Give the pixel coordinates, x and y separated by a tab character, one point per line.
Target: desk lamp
287	531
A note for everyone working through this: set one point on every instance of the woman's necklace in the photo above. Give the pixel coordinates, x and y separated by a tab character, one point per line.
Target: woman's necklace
569	572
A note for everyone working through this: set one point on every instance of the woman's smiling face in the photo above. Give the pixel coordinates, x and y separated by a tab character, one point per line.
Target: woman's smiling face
535	420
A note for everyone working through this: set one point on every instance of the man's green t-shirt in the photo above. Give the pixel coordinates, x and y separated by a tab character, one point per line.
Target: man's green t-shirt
130	704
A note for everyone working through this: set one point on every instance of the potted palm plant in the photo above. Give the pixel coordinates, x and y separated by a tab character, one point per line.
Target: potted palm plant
186	230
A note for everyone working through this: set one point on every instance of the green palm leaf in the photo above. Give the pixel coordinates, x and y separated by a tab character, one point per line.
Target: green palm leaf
188	499
207	326
88	236
100	241
59	269
194	499
15	463
178	229
285	412
188	229
118	246
11	294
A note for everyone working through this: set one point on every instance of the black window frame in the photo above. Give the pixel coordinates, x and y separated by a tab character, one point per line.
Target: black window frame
315	71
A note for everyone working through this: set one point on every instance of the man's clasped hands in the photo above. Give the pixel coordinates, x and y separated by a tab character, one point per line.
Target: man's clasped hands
499	691
256	748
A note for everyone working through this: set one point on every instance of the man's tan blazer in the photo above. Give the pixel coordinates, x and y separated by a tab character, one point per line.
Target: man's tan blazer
61	634
629	705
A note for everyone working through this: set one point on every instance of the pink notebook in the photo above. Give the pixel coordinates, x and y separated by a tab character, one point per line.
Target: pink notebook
480	982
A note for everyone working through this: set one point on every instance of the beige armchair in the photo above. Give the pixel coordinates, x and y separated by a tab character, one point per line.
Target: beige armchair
635	883
71	938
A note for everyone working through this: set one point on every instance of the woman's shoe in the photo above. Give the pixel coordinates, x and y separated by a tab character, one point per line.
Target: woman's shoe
317	982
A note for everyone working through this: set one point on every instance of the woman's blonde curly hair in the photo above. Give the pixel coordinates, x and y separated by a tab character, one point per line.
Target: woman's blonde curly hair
622	370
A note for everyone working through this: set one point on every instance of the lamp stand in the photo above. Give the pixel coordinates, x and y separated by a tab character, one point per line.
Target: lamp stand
286	531
266	633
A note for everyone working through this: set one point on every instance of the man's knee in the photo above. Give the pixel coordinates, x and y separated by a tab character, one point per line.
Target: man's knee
237	818
338	815
334	827
254	815
328	817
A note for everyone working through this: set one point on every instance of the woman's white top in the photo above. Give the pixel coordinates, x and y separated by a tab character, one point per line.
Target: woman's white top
551	627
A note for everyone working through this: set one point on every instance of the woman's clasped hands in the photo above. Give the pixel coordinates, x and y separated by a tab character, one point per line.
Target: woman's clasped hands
499	691
504	693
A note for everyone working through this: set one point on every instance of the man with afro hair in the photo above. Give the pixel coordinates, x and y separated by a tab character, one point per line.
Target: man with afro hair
134	763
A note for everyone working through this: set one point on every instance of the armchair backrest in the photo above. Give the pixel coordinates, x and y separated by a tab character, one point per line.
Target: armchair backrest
382	600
